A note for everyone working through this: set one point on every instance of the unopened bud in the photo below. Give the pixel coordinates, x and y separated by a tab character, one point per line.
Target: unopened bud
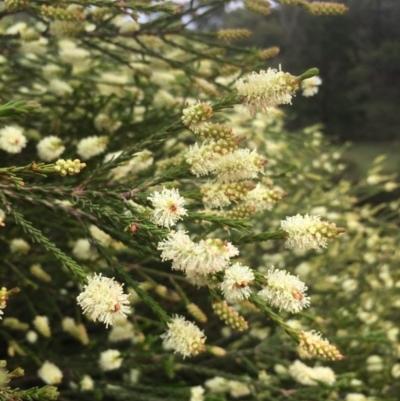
196	312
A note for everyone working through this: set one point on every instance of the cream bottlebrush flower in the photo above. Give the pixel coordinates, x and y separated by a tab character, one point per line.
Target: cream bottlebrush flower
235	285
308	376
110	360
302	373
103	122
238	389
356	397
50	148
284	291
201	159
374	363
177	247
122	330
42	325
99	235
103	299
59	87
198	280
31	336
242	164
308	232
2	217
91	146
217	384
83	250
71	54
208	256
12	139
141	161
87	383
113	84
163	98
168	207
37	271
310	86
19	245
197	393
50	373
183	337
324	374
266	89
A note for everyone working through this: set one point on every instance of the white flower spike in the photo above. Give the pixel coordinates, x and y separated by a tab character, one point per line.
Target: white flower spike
284	291
183	337
168	207
103	299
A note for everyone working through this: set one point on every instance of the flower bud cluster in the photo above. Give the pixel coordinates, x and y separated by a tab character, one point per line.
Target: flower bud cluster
65	29
215	131
233	34
15	324
228	315
196	312
291	2
71	167
262	7
269	53
227	70
77	331
262	197
29	35
37	271
62	14
194	116
15	5
241	212
323	8
3	299
224	146
42	325
217	351
313	342
219	195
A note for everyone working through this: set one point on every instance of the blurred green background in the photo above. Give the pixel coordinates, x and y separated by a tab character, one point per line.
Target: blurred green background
358	55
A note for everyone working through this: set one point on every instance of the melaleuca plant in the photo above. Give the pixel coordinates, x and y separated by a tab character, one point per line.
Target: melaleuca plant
138	157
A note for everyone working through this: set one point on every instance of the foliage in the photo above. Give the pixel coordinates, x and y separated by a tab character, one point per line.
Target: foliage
87	80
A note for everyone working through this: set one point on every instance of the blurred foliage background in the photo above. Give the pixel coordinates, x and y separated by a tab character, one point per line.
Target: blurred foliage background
127	82
358	55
